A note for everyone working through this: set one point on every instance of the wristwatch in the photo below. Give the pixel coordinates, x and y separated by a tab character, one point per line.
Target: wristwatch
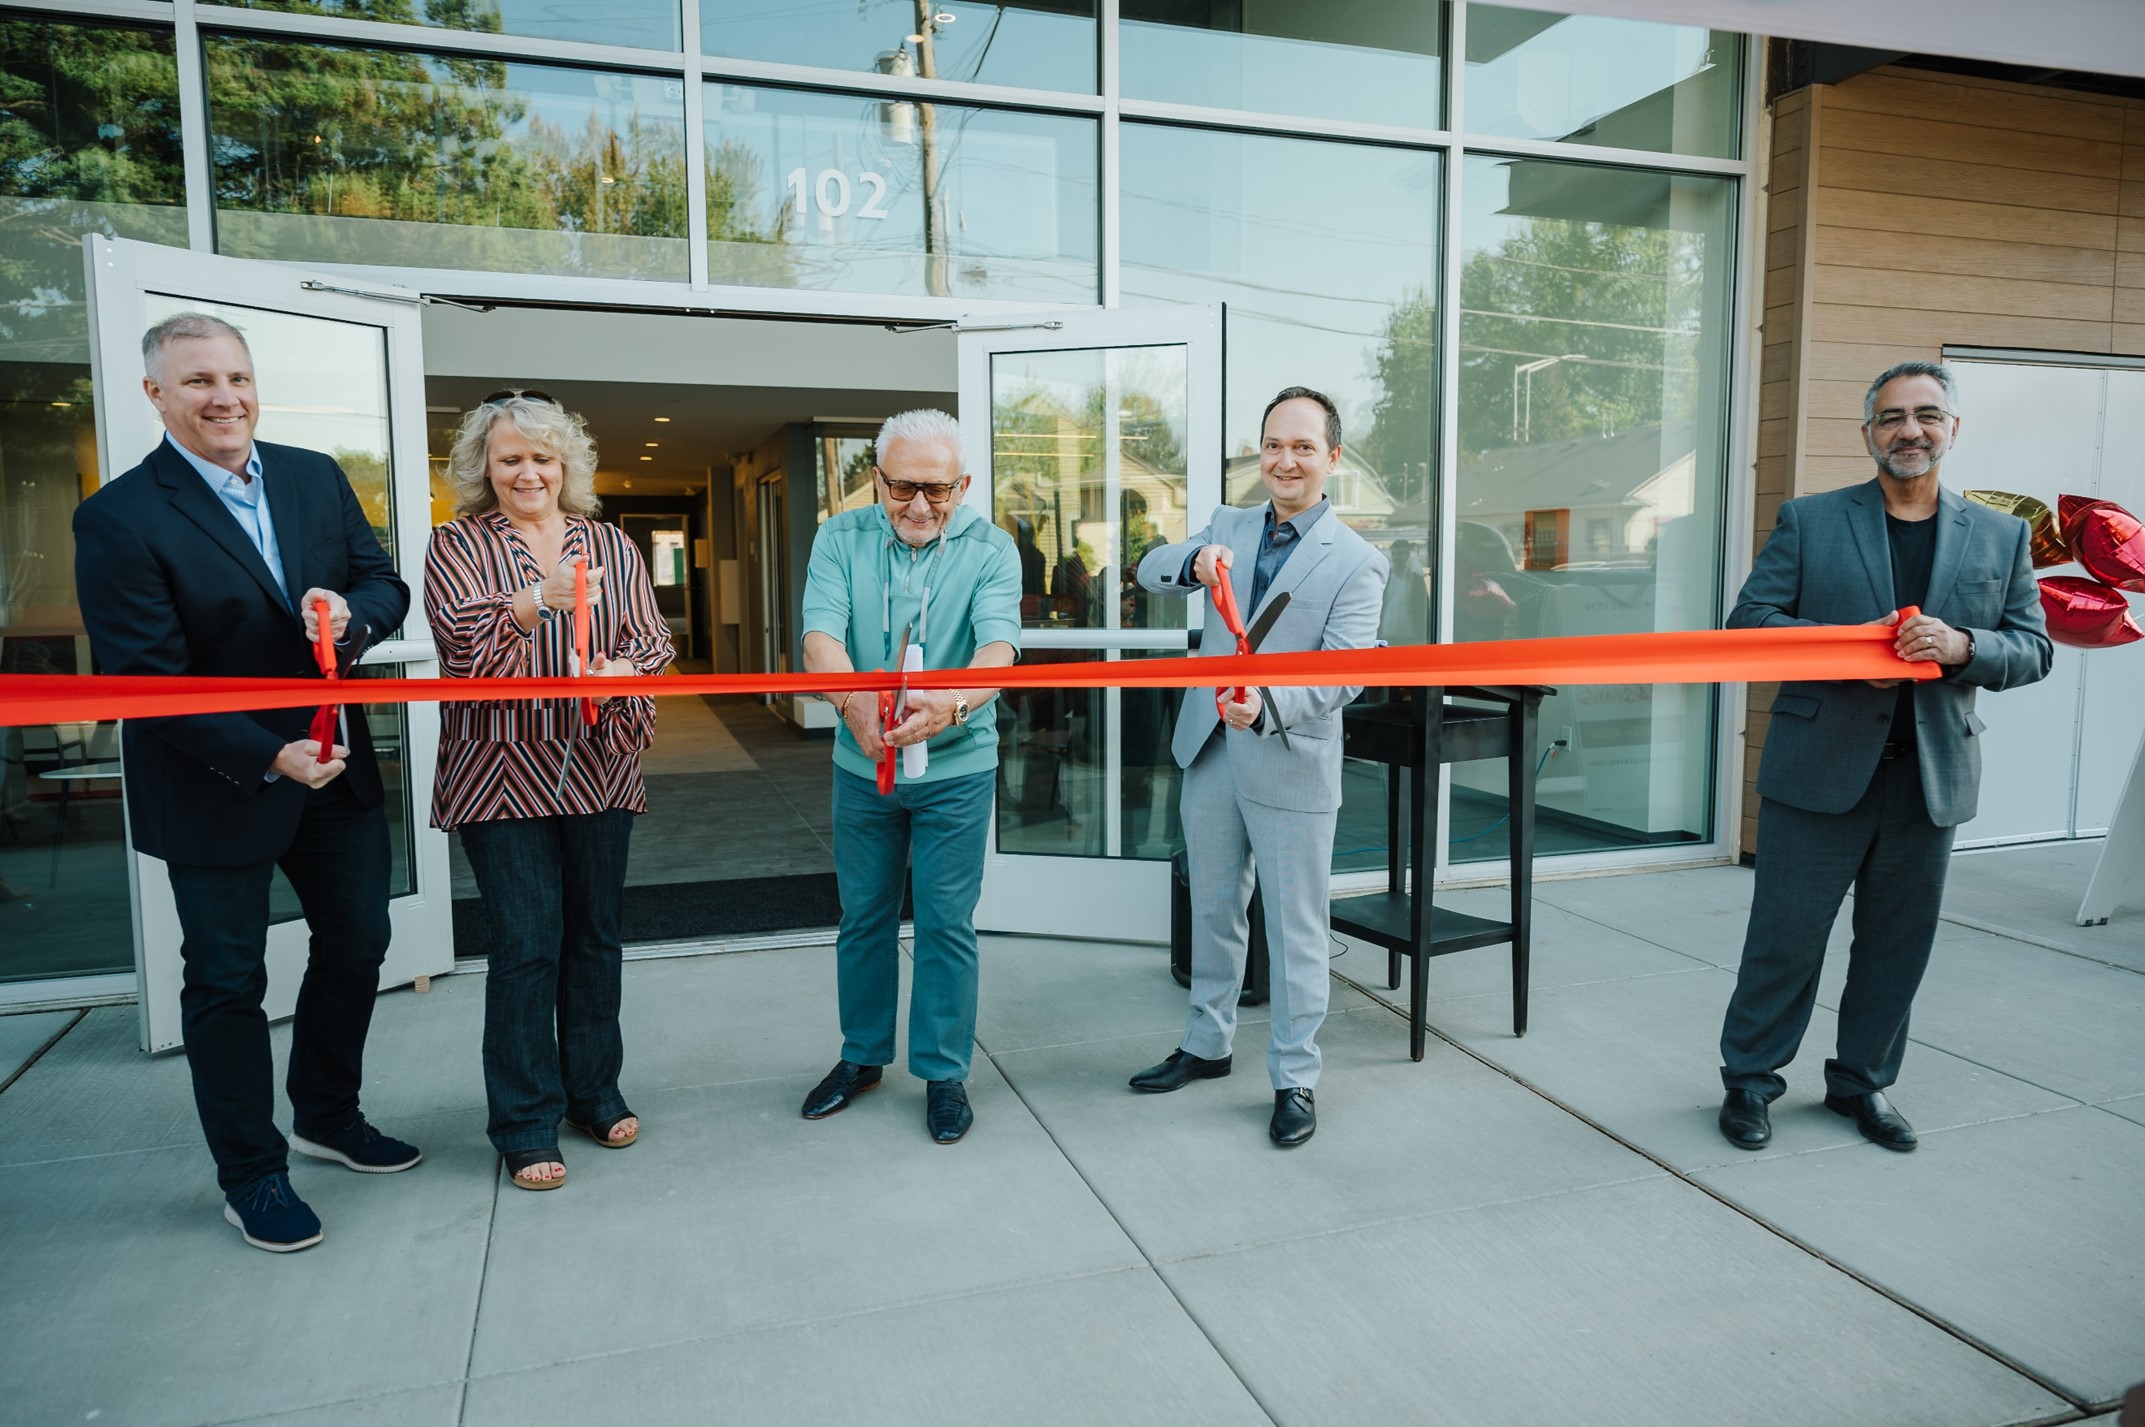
960	708
543	611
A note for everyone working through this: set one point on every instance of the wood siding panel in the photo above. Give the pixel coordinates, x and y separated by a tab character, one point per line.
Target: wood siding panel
2009	223
1928	331
2017	107
1977	183
1867	285
1924	251
1917	141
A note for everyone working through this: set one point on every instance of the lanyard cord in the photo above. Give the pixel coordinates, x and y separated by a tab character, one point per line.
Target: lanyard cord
886	587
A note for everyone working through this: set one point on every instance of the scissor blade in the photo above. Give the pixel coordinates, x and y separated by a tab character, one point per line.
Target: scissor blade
1264	624
901	659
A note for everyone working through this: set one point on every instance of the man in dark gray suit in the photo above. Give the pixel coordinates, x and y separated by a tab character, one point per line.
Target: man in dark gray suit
1267	790
1863	784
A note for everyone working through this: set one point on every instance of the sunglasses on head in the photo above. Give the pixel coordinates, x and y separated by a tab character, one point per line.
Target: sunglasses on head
526	393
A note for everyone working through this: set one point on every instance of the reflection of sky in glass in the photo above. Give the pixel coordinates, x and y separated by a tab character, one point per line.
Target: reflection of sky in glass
990	44
1375	63
1584	68
1311	244
322	385
653	23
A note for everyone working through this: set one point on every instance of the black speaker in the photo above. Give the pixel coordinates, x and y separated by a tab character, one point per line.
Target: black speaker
1180	934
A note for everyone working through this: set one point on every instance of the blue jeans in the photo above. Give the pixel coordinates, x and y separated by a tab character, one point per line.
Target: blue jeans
552	888
947	826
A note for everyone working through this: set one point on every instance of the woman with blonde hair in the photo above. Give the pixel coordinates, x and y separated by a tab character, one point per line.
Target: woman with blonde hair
545	807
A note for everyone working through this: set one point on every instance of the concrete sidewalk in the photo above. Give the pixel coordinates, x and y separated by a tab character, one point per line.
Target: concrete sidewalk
1521	1232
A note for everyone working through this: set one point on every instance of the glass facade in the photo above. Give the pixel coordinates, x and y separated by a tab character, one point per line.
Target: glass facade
395	159
1373	61
1580	474
840	193
89	142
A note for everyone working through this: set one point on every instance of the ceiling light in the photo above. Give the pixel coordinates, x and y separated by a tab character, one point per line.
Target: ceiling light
647	458
629	485
662	418
651	445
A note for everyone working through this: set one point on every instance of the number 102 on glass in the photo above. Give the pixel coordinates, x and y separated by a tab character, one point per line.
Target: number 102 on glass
833	191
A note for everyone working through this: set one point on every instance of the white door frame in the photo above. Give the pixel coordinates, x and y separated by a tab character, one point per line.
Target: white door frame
121	275
1112	898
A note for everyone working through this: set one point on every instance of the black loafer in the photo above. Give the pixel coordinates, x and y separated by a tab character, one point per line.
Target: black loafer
1180	1070
843	1083
1874	1116
1295	1118
1746	1121
946	1112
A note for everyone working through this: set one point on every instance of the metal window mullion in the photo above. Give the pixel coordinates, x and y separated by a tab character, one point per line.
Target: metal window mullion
1289	125
1738	515
696	151
869	82
1603	155
195	136
1448	400
1109	199
151	11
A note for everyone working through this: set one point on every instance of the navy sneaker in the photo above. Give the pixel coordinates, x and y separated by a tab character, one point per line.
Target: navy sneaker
271	1216
360	1147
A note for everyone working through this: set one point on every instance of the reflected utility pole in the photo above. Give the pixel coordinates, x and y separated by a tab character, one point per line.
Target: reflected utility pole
927	128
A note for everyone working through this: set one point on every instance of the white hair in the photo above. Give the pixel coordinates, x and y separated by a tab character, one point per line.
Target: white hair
1936	370
923	424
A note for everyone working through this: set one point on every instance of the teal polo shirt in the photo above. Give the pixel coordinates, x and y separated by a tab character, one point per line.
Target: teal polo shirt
864	586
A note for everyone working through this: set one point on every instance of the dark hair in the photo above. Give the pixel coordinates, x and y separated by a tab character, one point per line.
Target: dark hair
1304	393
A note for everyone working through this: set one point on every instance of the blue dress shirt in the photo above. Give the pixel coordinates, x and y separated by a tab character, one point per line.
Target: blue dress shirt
246	497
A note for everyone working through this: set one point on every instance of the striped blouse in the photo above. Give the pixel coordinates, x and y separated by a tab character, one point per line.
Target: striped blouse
502	759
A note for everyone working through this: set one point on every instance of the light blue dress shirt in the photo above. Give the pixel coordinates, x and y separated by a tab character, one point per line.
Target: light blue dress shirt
247	500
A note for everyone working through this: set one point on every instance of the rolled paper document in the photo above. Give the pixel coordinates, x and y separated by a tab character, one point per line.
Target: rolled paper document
2049	547
916	756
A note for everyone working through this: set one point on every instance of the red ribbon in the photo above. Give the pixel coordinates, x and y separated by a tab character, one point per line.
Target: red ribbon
324	718
1710	656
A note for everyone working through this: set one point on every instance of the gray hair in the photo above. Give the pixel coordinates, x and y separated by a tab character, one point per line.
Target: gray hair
181	327
1937	370
923	424
543	423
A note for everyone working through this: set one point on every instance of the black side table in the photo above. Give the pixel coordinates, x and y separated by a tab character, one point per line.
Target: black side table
1419	732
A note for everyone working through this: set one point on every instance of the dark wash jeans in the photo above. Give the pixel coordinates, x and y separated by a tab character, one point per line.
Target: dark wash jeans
338	865
552	890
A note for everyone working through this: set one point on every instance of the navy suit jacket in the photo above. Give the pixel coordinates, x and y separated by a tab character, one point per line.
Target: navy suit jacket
1828	561
169	584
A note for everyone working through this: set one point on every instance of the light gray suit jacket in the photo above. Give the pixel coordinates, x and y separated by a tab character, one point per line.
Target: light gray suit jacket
1336	586
1828	562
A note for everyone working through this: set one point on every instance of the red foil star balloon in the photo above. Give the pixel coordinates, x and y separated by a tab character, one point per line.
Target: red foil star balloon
2086	614
2105	538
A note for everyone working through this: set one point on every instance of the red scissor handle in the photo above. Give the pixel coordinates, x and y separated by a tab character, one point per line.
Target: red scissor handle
1225	606
580	631
323	729
887	753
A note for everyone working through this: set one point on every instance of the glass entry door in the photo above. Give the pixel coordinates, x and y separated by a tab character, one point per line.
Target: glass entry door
1093	438
339	372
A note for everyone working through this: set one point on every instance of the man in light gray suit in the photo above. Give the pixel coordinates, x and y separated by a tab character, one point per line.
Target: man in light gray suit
1268	789
1863	784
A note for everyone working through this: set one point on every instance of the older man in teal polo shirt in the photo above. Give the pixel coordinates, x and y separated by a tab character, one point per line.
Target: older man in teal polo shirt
922	562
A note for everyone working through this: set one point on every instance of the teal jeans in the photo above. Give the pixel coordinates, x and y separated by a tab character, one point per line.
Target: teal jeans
945	826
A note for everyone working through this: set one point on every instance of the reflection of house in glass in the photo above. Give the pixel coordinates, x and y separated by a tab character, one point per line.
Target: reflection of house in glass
1614	494
1358	492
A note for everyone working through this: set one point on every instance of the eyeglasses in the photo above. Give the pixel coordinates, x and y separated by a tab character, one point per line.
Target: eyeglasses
905	491
526	393
1890	421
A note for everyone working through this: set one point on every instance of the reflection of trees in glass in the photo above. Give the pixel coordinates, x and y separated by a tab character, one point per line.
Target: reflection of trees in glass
329	130
367	471
480	15
734	195
89	125
1399	442
1613	312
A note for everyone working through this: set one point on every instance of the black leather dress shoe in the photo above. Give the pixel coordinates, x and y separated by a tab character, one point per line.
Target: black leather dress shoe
1180	1070
1295	1119
843	1083
1746	1120
1874	1116
946	1111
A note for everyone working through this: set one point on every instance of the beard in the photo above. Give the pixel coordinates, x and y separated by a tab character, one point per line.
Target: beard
1896	462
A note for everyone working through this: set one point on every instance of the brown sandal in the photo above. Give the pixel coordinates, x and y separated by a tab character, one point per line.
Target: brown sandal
519	1162
600	1131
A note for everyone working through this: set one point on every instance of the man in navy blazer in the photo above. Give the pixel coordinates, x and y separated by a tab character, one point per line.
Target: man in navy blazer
207	559
1863	784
